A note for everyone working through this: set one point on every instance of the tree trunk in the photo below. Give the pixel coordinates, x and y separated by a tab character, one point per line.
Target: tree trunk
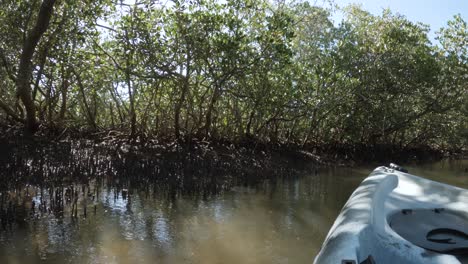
132	103
112	92
43	56
129	47
185	88
91	117
23	89
64	93
209	113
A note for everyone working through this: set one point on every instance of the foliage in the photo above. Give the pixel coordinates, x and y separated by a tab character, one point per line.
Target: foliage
274	71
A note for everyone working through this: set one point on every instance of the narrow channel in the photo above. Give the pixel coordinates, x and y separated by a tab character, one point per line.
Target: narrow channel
284	222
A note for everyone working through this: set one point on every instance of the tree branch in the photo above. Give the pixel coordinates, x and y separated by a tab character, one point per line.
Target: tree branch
10	112
6	65
23	89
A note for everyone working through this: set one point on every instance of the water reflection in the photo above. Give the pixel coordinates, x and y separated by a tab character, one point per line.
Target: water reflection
279	222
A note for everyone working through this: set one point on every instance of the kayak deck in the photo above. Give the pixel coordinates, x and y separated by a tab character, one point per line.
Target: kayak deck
362	233
437	229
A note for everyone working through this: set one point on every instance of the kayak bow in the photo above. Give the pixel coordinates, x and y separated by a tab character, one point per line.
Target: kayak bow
396	217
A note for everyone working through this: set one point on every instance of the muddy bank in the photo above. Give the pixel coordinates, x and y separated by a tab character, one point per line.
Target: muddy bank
190	166
65	171
198	167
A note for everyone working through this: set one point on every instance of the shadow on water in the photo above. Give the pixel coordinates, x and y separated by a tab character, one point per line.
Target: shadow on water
274	223
67	177
85	202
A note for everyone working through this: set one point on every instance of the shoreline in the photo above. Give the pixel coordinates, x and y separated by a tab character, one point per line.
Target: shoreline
195	169
243	160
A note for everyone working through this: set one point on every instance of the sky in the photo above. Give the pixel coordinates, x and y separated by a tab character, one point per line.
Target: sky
435	13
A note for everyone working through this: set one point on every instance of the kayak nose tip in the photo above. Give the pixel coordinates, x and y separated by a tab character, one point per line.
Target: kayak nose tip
397	167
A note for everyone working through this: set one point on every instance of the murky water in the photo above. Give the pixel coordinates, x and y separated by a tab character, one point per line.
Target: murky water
281	223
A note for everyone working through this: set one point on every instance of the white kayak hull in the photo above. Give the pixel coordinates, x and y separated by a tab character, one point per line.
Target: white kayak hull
362	233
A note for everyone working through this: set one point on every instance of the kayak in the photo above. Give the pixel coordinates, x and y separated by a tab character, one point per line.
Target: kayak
396	217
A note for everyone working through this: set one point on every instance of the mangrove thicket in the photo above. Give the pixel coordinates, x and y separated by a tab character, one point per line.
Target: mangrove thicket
269	71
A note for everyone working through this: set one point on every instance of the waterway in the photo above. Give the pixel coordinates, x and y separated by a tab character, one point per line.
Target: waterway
284	222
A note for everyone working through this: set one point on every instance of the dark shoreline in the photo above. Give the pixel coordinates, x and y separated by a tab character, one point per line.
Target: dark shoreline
185	165
69	169
245	161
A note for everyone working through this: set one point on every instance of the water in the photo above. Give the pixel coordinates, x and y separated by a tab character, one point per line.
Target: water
284	222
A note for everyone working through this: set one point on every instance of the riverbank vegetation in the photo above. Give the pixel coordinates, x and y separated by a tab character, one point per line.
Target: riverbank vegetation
250	70
194	97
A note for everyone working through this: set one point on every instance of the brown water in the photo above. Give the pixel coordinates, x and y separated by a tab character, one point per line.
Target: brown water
281	223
